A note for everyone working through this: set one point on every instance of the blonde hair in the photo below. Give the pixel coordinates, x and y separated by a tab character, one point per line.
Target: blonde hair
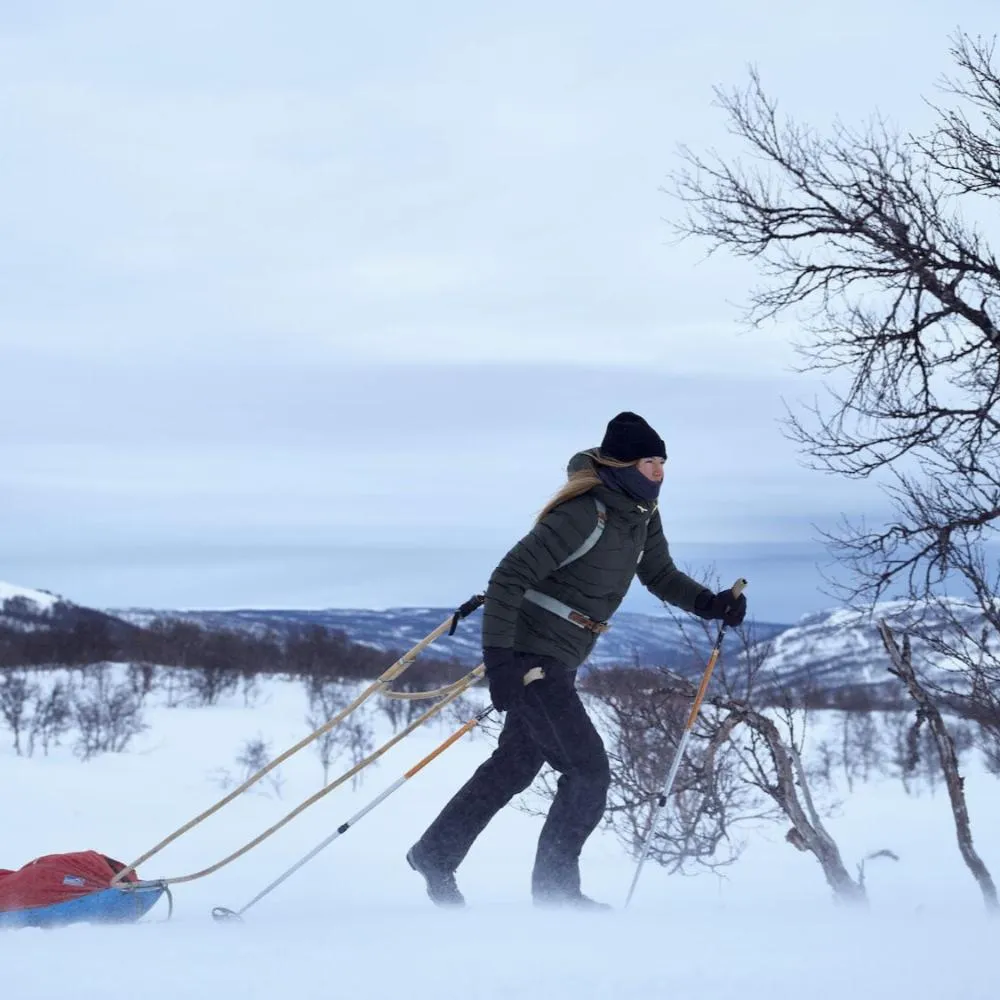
582	481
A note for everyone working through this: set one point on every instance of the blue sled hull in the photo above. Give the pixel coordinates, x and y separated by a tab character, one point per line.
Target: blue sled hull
108	906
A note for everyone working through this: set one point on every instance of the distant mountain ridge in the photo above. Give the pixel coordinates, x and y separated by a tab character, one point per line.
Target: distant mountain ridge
649	640
825	651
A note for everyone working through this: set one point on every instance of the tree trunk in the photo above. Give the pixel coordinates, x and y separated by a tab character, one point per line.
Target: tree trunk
902	667
805	819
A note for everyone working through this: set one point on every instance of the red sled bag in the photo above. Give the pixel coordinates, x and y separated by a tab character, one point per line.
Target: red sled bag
70	888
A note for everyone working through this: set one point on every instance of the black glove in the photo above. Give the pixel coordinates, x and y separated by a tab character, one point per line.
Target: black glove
723	606
505	676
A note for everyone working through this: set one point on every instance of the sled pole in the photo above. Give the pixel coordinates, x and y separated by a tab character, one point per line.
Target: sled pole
449	694
222	913
379	685
692	718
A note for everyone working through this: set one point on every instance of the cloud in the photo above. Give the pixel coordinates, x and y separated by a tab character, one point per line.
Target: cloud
242	446
490	194
280	275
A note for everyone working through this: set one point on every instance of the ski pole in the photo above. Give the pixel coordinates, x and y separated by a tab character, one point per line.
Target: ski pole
222	913
692	718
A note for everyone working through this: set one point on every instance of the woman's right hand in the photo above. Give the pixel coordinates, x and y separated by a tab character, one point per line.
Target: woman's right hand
505	676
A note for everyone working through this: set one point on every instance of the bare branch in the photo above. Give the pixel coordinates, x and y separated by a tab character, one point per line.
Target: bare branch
902	667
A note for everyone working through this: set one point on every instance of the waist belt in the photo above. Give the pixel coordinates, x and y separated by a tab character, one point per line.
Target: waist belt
578	618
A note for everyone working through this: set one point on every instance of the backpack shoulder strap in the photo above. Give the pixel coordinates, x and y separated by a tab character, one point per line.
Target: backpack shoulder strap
592	539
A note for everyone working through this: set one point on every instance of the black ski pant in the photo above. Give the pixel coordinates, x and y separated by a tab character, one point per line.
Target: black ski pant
548	724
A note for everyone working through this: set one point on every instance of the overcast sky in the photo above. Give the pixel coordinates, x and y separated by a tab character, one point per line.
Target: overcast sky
308	303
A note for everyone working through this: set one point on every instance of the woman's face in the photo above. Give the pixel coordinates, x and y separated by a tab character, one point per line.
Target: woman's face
652	468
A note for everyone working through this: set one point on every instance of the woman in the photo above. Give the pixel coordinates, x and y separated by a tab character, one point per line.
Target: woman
547	601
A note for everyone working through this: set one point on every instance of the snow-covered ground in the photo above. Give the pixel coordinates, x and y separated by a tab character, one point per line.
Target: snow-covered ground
355	923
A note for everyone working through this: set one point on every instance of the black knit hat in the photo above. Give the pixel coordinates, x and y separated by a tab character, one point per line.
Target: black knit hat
629	438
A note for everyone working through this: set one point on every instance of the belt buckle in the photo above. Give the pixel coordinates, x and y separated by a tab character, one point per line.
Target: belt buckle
588	623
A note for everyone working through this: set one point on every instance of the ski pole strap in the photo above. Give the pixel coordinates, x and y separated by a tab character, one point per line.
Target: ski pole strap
466	609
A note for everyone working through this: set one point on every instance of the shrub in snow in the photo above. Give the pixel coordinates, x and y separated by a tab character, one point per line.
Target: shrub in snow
107	713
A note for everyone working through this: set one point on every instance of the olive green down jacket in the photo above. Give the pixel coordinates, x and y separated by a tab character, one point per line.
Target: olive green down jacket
595	584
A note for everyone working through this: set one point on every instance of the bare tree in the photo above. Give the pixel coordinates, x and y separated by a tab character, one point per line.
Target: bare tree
354	736
52	715
396	710
174	684
902	667
254	756
359	740
142	677
17	690
107	715
207	684
326	699
963	636
249	687
642	713
856	750
865	743
743	765
867	238
774	766
746	764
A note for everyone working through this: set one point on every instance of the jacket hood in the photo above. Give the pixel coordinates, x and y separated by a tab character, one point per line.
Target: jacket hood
580	461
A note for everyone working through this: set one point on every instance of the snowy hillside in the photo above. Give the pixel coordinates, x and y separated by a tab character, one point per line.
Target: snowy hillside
840	647
42	599
25	610
355	923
